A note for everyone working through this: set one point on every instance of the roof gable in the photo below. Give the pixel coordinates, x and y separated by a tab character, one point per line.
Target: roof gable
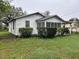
49	17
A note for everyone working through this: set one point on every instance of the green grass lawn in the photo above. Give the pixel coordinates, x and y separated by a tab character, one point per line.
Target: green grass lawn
4	33
39	48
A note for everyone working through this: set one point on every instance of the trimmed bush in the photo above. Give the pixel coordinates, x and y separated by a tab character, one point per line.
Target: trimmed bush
47	32
25	32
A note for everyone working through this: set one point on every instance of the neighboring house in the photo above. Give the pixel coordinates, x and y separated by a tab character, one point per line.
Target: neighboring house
74	25
34	21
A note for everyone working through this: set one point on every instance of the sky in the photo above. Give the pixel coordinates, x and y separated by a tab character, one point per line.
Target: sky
64	8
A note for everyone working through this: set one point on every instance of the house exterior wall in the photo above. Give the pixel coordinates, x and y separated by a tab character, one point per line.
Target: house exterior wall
9	27
20	23
67	25
72	27
11	30
75	28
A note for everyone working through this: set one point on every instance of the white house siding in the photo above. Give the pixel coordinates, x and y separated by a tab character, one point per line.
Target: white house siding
20	23
9	27
72	27
11	30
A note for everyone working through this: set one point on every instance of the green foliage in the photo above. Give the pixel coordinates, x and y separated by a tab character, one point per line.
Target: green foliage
63	31
66	30
3	28
4	8
0	27
25	32
46	32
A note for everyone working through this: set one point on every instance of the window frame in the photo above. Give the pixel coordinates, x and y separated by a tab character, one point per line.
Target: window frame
27	23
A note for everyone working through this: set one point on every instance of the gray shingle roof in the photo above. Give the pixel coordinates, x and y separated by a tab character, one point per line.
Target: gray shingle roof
26	16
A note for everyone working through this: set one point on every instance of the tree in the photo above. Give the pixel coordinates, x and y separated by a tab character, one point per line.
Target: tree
4	8
8	12
14	12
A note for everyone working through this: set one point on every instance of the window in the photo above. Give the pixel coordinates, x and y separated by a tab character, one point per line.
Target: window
56	25
59	24
38	25
52	25
27	23
48	24
42	24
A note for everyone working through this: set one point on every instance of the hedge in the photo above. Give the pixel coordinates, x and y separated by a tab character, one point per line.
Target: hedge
47	32
25	32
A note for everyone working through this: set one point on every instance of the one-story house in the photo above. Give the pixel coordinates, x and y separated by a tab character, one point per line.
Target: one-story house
34	20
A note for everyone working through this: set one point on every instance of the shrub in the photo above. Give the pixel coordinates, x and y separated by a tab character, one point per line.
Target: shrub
51	32
46	32
3	29
63	31
25	32
42	32
0	28
66	30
